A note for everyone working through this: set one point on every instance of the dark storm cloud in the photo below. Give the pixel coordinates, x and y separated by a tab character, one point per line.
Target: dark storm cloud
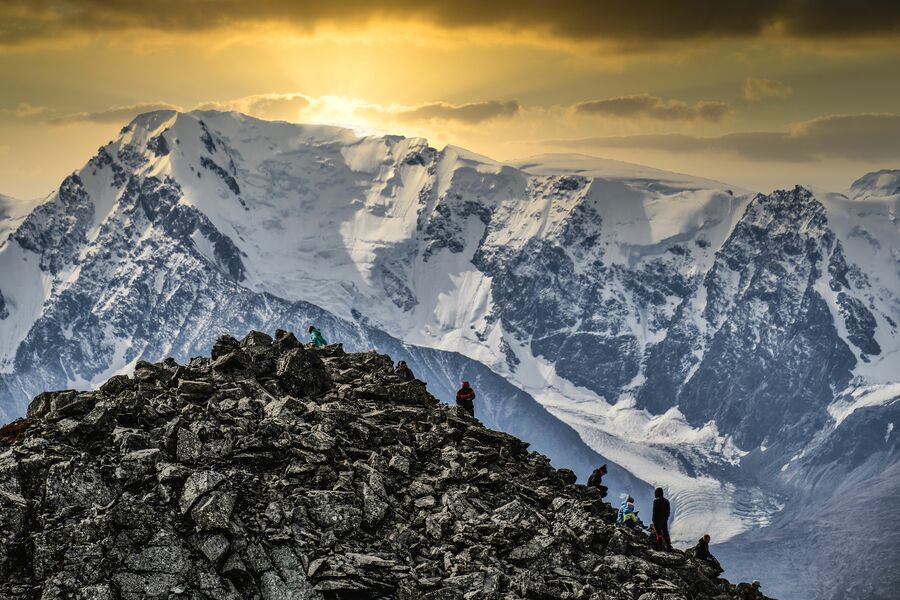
474	112
116	114
591	20
650	107
852	137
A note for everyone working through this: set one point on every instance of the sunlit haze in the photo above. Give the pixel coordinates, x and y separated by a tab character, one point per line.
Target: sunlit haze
760	97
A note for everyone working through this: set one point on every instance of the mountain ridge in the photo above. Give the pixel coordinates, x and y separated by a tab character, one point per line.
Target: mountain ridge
274	470
656	316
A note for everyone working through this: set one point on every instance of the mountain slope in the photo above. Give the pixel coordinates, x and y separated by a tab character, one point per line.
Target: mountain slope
12	212
147	323
702	337
276	471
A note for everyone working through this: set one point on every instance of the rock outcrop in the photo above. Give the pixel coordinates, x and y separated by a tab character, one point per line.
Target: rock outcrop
272	470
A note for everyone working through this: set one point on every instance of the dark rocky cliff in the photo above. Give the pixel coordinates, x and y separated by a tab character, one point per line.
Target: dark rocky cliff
276	471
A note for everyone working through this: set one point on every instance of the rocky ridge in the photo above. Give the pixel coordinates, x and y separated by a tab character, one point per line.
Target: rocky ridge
273	470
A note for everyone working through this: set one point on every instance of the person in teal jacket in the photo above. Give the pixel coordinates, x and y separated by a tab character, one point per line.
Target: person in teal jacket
315	336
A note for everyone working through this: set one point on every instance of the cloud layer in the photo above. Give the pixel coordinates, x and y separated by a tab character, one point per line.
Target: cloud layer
857	137
298	107
471	113
286	107
115	114
643	106
866	137
594	20
757	89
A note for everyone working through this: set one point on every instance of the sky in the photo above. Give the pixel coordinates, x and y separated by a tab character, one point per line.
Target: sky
761	95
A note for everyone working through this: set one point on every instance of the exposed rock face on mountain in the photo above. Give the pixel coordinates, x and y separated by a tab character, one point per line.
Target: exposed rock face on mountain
272	470
721	343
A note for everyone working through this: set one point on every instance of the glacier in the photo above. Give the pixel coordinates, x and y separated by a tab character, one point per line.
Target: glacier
730	346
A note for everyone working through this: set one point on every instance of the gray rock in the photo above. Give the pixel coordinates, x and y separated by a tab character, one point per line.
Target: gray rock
214	510
195	389
213	546
303	373
373	490
196	486
188	444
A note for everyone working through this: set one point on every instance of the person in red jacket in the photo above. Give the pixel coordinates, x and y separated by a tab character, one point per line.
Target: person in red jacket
464	398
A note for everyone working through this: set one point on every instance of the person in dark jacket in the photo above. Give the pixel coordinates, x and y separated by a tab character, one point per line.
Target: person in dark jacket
464	398
596	480
656	542
701	551
661	513
403	372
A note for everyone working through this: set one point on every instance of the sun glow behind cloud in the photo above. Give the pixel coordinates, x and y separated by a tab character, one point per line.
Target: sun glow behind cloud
501	81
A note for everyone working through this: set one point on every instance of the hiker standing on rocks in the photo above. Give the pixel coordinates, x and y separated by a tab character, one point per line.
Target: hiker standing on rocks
596	480
655	540
701	551
315	336
403	372
464	398
661	513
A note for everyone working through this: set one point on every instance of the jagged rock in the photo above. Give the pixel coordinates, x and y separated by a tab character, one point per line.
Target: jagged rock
40	406
196	486
115	385
188	446
213	511
256	339
224	345
250	475
13	432
195	389
285	340
231	362
303	373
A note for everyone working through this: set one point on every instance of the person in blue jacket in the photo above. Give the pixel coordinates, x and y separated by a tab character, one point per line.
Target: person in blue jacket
627	515
315	336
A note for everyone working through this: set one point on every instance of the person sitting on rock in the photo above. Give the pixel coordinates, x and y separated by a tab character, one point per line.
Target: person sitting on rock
403	372
661	513
464	398
627	507
316	337
596	480
750	592
701	551
630	517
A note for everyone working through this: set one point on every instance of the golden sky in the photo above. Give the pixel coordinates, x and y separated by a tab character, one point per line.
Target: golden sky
760	94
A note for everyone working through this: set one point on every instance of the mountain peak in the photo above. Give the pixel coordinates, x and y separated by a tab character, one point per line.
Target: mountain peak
877	184
582	283
151	121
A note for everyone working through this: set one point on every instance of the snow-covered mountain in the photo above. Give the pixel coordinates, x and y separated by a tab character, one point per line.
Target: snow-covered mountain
735	348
